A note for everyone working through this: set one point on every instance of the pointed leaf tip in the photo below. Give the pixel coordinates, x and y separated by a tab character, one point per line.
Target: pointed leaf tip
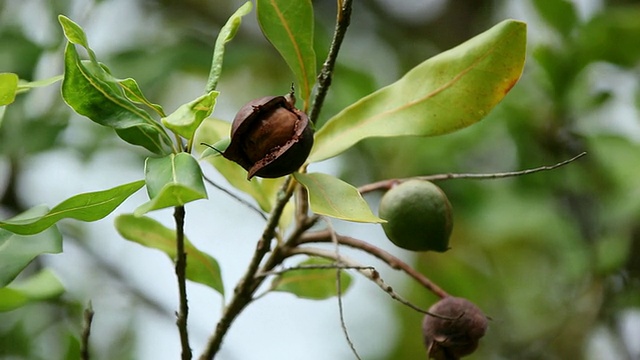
333	197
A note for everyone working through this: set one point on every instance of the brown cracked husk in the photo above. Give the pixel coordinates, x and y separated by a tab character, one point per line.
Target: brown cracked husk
270	137
456	329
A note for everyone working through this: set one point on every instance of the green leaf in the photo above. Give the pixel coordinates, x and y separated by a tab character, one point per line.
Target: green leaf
188	117
450	91
173	180
90	90
8	88
201	267
17	251
73	32
561	14
227	33
212	131
41	286
84	207
132	92
313	283
288	25
333	197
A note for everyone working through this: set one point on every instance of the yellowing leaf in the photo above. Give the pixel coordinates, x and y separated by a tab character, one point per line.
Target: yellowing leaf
333	197
450	91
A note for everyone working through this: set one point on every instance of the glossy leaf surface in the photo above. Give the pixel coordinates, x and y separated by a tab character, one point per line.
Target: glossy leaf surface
73	32
313	283
90	90
88	207
333	197
173	180
201	267
188	117
448	92
133	92
289	27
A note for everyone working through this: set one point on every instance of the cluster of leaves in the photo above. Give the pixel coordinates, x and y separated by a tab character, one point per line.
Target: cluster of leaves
450	91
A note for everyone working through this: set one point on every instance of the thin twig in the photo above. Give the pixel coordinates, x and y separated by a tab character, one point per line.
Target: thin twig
236	197
86	332
314	267
343	324
387	184
392	261
372	275
324	78
181	274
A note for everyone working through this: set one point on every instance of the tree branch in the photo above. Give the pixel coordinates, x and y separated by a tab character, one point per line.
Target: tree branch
387	184
326	74
392	261
86	332
181	273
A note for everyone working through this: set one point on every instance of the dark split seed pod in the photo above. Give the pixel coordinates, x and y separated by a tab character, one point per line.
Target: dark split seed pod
455	330
270	137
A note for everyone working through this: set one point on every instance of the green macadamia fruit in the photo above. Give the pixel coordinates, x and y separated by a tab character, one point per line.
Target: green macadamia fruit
419	216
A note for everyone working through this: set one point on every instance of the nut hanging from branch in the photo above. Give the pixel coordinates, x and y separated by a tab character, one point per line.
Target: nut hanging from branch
451	339
270	137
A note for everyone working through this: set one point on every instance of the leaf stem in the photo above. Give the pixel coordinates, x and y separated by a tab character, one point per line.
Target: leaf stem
181	273
326	74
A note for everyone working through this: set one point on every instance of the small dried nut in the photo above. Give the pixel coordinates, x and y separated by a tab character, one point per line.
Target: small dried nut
455	330
270	137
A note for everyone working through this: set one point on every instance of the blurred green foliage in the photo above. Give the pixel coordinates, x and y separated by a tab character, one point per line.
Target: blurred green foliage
551	257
